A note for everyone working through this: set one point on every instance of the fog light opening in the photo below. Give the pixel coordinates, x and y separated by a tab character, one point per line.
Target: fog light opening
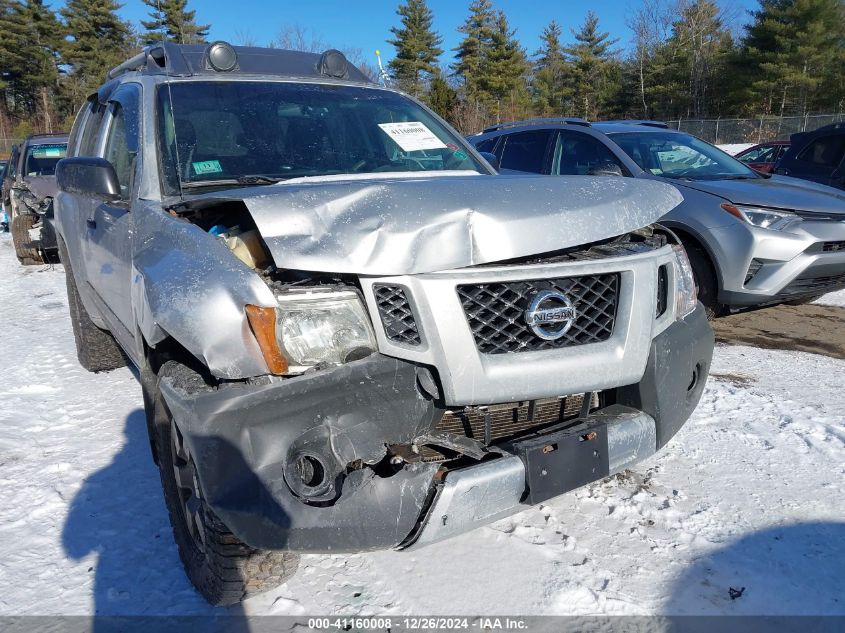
310	471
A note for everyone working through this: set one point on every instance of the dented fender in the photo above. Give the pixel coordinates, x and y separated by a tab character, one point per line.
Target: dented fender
187	285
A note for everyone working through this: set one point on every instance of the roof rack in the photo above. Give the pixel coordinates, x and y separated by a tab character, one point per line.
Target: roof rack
180	60
545	121
646	122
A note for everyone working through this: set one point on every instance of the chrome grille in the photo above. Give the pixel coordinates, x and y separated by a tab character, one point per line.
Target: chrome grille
495	312
396	315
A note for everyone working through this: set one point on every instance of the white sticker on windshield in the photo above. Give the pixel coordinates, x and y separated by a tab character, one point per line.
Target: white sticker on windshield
412	136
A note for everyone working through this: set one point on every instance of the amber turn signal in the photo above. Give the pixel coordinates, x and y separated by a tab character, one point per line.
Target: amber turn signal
262	321
733	211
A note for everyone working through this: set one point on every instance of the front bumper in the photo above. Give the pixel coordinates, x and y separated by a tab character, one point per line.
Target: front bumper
244	437
759	266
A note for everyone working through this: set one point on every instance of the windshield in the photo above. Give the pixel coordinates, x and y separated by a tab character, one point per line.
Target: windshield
674	155
230	130
41	159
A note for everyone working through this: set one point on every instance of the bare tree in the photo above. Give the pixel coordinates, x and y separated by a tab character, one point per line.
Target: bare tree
245	38
651	25
295	37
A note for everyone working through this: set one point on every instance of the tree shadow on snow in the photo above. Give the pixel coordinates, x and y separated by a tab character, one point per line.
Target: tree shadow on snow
788	570
119	514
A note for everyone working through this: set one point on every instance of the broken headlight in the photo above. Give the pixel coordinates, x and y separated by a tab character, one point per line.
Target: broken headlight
323	327
686	297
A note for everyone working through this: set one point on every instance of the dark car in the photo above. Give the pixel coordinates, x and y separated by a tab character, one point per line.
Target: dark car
818	156
29	189
4	219
752	239
763	157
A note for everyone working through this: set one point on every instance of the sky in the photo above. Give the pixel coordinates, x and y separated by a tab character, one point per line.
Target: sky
365	25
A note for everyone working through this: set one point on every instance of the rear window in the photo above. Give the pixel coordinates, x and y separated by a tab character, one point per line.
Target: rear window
825	151
41	159
525	151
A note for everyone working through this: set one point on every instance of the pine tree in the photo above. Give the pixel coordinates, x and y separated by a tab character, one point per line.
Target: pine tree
29	61
98	41
44	38
172	22
504	68
593	66
441	97
472	50
796	52
417	46
551	93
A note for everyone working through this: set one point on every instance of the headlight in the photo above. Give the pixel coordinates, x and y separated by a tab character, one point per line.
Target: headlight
318	328
764	218
686	297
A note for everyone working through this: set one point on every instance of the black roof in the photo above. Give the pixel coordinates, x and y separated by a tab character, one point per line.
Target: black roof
539	121
33	139
181	60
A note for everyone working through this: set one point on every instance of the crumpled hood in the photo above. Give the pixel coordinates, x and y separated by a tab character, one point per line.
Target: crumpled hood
42	186
408	225
778	192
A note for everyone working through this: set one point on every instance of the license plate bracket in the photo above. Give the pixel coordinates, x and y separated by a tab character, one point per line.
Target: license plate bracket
563	461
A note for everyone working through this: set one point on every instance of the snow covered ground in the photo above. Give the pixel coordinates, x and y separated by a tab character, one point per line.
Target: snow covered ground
751	494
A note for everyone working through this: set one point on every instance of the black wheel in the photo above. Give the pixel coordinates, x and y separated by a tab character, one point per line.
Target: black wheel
96	349
27	253
705	281
222	568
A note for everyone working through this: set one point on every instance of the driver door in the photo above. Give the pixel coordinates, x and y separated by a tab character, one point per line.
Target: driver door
109	224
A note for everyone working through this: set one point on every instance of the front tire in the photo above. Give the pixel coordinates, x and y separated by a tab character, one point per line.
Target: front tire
96	349
27	254
705	281
221	567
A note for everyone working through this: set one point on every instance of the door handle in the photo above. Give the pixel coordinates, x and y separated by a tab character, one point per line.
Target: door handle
92	224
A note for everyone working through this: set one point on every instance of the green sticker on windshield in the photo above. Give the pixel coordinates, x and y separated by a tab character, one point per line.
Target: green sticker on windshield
207	167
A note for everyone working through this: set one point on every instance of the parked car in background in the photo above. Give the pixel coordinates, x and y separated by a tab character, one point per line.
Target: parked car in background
4	219
752	239
351	333
763	157
30	189
818	156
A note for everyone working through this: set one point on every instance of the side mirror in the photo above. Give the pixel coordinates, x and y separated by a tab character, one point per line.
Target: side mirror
88	176
491	158
606	169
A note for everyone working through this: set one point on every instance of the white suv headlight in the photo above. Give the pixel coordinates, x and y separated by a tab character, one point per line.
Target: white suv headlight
319	328
686	296
764	218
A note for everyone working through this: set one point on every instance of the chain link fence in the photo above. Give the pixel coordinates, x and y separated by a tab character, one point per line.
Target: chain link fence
756	130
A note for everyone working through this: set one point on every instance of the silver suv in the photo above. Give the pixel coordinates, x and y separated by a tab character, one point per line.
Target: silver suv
753	239
350	334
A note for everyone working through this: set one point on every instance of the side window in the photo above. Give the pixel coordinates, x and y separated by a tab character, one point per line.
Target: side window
825	151
487	145
580	155
525	151
123	136
88	140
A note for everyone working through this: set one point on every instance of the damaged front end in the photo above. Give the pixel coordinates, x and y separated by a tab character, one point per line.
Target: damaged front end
31	199
398	411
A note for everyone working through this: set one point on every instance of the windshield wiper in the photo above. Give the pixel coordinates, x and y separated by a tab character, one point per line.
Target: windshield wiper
736	177
243	181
